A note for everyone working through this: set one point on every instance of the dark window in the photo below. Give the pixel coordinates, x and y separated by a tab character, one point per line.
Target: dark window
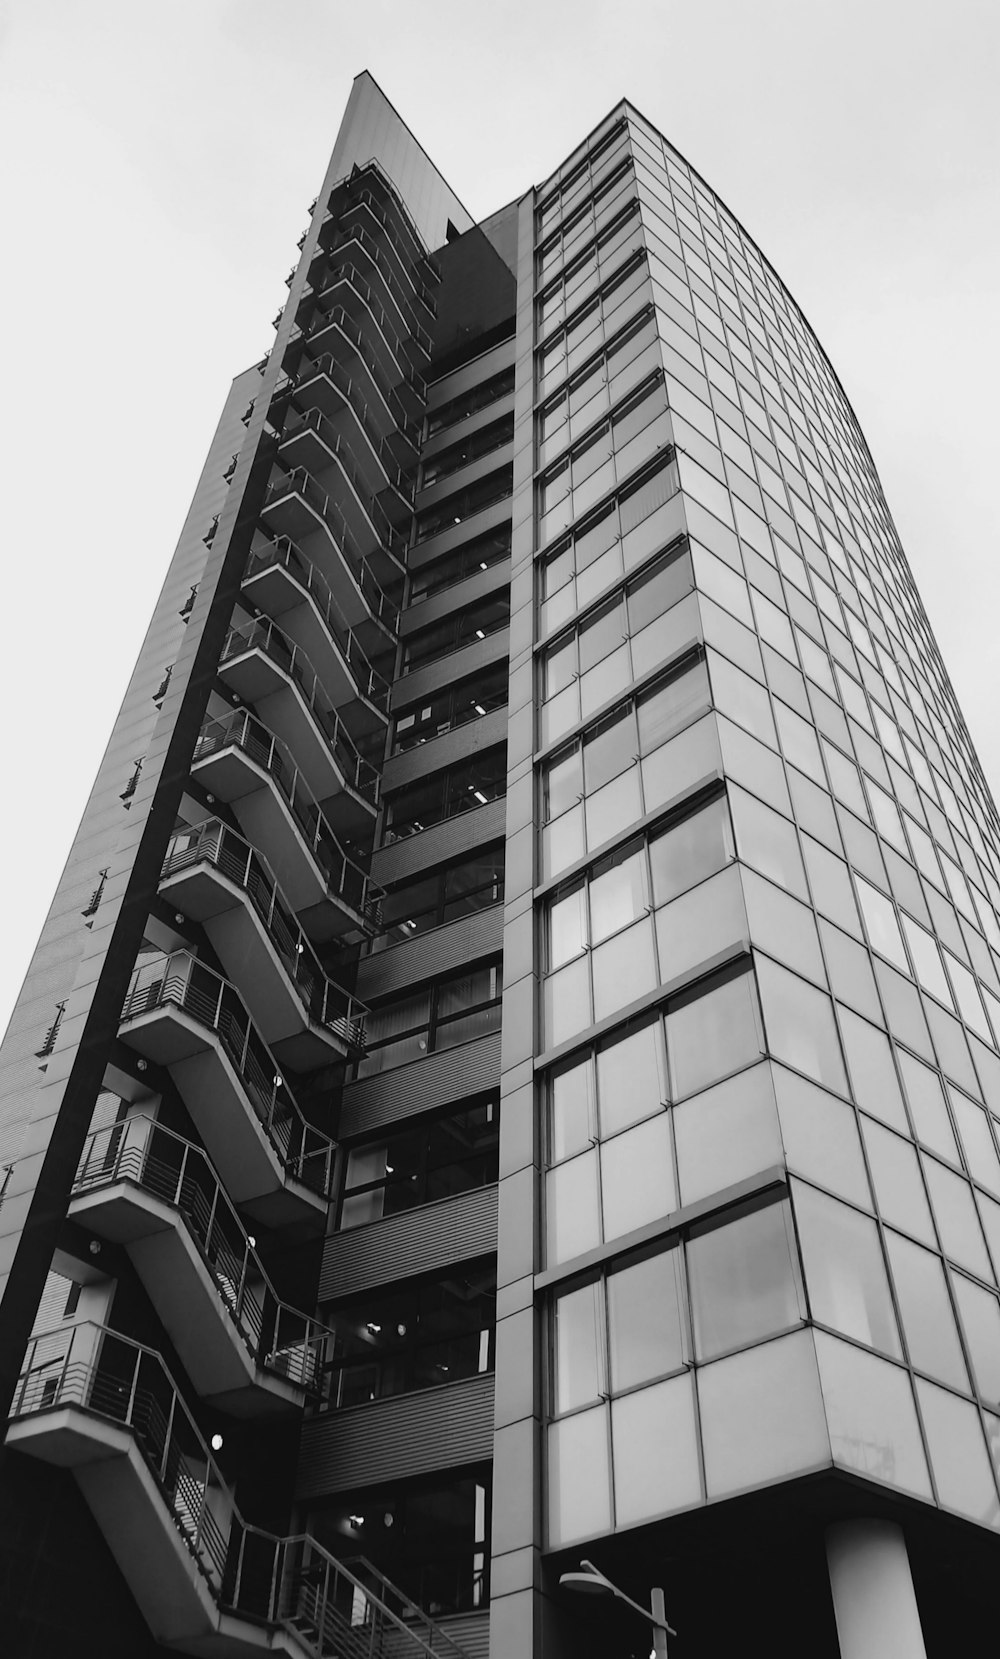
453	1011
480	554
472	448
455	706
422	1335
465	503
458	890
459	628
461	788
450	1154
470	402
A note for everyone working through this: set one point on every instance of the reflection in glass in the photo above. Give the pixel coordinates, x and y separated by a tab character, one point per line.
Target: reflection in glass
871	1416
845	1273
744	1280
647	1317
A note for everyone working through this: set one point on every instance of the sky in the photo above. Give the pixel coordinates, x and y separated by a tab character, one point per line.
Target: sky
159	161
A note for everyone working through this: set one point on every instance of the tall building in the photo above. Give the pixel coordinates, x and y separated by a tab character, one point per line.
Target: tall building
510	1074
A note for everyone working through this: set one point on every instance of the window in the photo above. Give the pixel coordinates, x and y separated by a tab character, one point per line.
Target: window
462	627
447	794
420	1336
470	402
465	504
611	452
481	554
453	1011
472	884
454	706
469	449
421	1163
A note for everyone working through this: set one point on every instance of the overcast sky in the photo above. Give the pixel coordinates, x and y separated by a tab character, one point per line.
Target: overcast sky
159	160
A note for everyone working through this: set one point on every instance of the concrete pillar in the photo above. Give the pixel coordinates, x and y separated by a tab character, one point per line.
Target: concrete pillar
872	1589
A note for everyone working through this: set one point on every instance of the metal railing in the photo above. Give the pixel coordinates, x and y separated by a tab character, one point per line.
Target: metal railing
399	347
364	197
213	842
352	392
372	685
335	316
398	226
345	879
261	634
278	1338
292	1583
373	170
179	980
391	539
298	481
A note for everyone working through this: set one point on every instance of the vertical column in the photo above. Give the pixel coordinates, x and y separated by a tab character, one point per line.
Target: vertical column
873	1597
516	1450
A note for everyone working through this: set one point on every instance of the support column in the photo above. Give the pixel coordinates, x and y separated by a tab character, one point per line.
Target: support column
873	1597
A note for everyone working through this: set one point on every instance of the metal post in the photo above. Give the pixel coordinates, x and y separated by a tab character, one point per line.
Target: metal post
658	1611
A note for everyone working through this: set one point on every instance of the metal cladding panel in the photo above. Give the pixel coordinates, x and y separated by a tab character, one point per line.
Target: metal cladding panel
440	844
447	670
455	598
446	750
418	1241
436	1080
471	1631
430	954
395	1439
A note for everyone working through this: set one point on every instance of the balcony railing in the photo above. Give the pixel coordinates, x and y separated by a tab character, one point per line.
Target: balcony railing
277	1337
213	842
336	316
179	980
399	228
353	393
291	1583
300	482
372	685
391	539
400	348
261	634
370	172
345	879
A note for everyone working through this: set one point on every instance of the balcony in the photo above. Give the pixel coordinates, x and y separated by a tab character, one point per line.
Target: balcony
239	760
369	189
297	507
325	384
182	1015
144	1187
265	668
349	235
281	581
312	441
397	357
332	328
215	877
205	1581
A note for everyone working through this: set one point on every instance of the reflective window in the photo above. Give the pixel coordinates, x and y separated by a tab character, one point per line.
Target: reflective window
744	1280
845	1273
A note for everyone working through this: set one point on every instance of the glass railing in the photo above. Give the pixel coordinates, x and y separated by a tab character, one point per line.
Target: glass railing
372	685
399	227
392	539
277	1337
353	393
179	980
400	347
407	427
300	482
213	842
261	634
292	1583
364	197
372	172
346	880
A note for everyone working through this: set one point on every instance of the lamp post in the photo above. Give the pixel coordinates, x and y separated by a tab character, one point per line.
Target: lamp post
589	1581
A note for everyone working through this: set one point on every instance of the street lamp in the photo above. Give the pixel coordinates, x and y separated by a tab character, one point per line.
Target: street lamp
590	1582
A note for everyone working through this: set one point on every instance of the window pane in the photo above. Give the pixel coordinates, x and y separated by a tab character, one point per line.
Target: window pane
647	1314
899	1188
566	996
655	1451
928	1322
570	1110
931	1122
624	968
567	926
629	1082
691	850
979	1312
726	1134
871	1416
821	1136
716	1033
761	1415
637	1177
955	1214
744	1281
617	895
799	1024
845	1273
571	1212
883	928
579	1485
579	1348
767	841
958	1454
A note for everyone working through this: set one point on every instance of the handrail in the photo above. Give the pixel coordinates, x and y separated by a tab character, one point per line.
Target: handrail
386	533
364	197
213	842
180	980
278	1337
346	271
298	481
357	186
346	880
374	167
372	685
336	316
261	634
351	391
290	1582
